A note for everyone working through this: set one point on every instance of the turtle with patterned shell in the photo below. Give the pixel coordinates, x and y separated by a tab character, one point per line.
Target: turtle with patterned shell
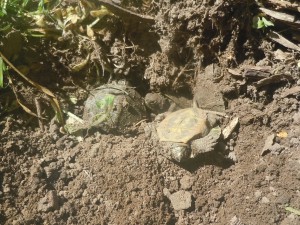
188	132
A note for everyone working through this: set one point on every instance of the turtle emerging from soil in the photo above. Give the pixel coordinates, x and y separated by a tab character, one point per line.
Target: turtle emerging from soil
186	133
112	108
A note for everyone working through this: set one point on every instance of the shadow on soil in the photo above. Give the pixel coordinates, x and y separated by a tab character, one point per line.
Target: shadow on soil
209	158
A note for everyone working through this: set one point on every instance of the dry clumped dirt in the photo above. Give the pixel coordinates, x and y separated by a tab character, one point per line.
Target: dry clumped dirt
48	177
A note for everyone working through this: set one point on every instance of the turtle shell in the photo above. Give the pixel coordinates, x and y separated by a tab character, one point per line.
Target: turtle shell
183	125
114	108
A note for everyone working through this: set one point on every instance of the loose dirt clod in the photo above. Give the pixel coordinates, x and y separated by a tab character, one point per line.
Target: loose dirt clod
49	202
268	144
186	182
181	200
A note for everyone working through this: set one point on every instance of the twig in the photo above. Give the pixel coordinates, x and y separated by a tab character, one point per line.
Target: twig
285	4
39	112
125	13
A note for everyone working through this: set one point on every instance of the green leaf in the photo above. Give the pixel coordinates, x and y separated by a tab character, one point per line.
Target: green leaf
257	22
267	23
2	69
24	3
292	210
260	24
106	103
41	6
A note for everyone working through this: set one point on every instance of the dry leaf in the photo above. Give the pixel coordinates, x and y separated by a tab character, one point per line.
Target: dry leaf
89	32
283	41
53	100
282	134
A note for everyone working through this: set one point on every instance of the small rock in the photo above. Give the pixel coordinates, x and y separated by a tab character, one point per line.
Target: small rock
49	202
227	131
269	178
257	194
166	192
95	150
283	199
6	188
280	55
174	186
186	182
233	157
296	118
295	141
235	221
181	200
276	149
268	143
54	127
265	200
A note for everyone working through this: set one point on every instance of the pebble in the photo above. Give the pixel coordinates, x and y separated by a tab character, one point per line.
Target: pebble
295	141
276	149
235	221
257	194
6	188
296	118
227	131
95	150
186	182
233	157
268	143
181	200
283	199
265	200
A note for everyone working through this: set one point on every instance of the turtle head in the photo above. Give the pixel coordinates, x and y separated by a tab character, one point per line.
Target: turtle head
180	152
213	119
156	102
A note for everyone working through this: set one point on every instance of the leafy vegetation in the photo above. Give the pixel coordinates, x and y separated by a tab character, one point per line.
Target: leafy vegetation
2	71
260	22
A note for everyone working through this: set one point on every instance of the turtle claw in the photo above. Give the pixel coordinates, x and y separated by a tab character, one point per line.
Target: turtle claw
207	143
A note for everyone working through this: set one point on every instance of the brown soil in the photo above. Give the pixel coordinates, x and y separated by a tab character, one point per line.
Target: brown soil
47	177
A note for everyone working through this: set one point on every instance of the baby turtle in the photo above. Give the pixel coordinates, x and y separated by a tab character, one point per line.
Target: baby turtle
114	107
188	132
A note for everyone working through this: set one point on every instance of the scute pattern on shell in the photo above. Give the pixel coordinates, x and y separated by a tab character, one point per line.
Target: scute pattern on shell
183	125
125	108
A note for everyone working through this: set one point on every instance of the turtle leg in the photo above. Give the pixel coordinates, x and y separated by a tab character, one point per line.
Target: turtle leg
206	143
178	152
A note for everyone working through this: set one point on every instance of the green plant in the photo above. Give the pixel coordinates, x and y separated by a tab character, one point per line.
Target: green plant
15	14
293	210
260	22
106	103
3	70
